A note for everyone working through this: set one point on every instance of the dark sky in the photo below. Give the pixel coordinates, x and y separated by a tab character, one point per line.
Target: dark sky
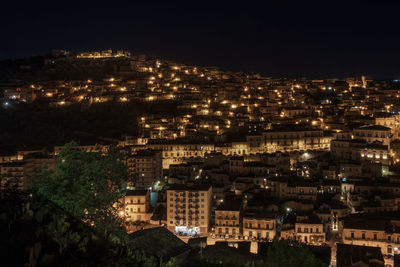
281	38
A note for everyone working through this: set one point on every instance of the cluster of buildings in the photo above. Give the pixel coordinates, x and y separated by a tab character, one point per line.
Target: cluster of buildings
246	158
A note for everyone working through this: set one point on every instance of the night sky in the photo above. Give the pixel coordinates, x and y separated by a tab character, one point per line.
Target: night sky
297	38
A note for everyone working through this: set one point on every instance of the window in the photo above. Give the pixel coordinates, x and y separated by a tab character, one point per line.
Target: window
299	230
363	235
352	235
375	236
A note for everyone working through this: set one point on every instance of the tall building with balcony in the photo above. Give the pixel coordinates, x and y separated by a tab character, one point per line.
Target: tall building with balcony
145	167
189	209
228	218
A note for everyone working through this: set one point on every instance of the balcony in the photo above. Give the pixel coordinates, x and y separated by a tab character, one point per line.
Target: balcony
370	239
259	228
180	212
226	225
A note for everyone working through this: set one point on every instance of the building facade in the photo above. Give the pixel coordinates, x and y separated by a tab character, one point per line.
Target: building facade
189	209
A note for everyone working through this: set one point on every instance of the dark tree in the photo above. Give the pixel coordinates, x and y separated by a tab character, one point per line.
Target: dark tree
285	253
88	186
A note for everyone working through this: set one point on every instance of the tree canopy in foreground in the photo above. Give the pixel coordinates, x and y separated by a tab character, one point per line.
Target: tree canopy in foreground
86	185
285	253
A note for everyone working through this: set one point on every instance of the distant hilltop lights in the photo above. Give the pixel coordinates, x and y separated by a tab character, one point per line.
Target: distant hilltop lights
103	54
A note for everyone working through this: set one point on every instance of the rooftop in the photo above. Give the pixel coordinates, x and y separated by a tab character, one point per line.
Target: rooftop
374	127
197	187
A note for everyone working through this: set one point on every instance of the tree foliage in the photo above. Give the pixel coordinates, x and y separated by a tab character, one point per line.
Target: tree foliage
86	185
69	217
285	253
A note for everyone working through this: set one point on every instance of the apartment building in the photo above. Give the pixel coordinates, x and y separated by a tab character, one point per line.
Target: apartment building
145	168
374	231
189	209
136	205
391	121
310	230
374	133
177	152
228	218
292	139
12	174
259	225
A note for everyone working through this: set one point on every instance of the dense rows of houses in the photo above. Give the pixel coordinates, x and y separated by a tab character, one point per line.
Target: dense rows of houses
248	158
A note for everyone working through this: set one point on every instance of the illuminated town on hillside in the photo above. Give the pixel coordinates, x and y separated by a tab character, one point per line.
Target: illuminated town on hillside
224	158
